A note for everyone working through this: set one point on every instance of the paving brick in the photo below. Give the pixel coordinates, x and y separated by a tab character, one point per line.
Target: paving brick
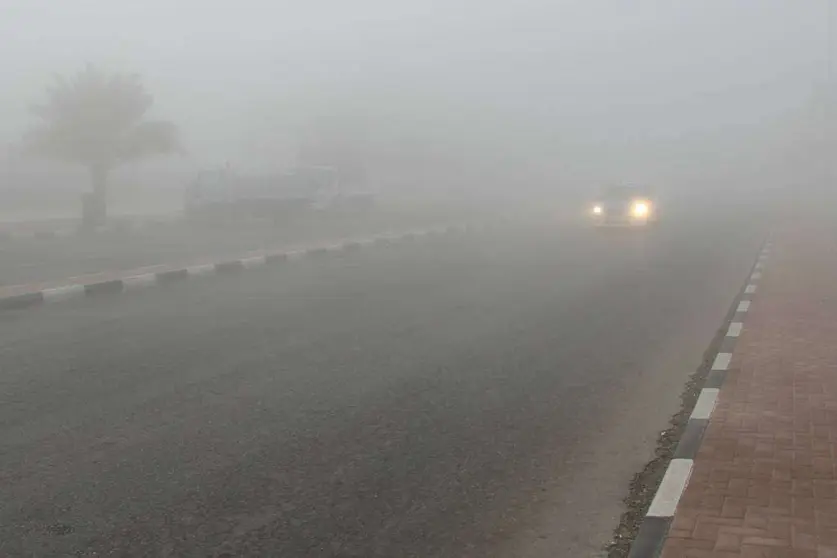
764	483
728	541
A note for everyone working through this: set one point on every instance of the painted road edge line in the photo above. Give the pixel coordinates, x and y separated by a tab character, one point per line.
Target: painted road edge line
671	488
722	361
252	260
60	294
705	404
141	281
654	528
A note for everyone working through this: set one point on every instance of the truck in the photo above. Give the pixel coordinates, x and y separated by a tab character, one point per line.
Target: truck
229	195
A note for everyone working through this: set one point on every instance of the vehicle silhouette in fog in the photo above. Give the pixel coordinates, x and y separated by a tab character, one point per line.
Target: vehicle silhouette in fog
624	206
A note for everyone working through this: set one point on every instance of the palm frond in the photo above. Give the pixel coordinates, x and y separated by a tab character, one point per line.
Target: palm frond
97	118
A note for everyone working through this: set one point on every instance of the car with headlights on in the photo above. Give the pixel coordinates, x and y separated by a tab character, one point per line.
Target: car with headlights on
624	206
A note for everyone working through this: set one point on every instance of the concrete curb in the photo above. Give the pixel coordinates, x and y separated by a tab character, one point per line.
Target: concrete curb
653	532
131	280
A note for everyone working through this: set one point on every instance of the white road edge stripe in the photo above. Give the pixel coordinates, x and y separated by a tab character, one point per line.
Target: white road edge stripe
253	261
296	254
196	270
62	293
750	289
705	403
671	489
743	306
139	281
734	329
722	361
755	276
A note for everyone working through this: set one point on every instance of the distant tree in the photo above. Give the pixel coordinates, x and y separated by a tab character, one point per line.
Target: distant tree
98	120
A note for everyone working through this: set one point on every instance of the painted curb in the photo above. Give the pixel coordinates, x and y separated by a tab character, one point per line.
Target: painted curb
653	531
132	280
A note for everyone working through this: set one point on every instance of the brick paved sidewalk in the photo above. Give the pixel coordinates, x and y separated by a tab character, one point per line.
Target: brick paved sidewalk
764	482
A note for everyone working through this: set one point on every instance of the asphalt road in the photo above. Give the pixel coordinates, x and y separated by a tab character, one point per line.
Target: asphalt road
480	395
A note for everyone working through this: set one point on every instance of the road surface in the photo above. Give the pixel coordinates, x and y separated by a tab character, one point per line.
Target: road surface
481	395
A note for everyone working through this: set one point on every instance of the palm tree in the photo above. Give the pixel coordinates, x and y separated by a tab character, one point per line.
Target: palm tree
98	120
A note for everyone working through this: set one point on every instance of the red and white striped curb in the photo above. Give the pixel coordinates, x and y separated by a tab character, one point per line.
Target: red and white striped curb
21	296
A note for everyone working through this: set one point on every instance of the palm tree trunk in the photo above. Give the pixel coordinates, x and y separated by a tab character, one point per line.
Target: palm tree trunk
95	204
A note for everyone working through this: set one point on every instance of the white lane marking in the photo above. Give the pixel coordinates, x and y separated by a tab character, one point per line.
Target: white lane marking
314	250
743	306
759	265
755	276
671	489
734	329
139	281
254	261
750	289
295	254
705	403
197	270
63	293
722	361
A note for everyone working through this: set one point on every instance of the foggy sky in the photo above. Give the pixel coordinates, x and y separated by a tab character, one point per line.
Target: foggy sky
588	90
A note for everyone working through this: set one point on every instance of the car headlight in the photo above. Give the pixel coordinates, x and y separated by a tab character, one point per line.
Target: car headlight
597	210
639	209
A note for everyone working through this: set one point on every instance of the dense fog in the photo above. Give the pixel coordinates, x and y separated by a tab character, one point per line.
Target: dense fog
466	96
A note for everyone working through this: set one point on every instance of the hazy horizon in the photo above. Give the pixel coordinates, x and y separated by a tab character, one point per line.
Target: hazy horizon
578	91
